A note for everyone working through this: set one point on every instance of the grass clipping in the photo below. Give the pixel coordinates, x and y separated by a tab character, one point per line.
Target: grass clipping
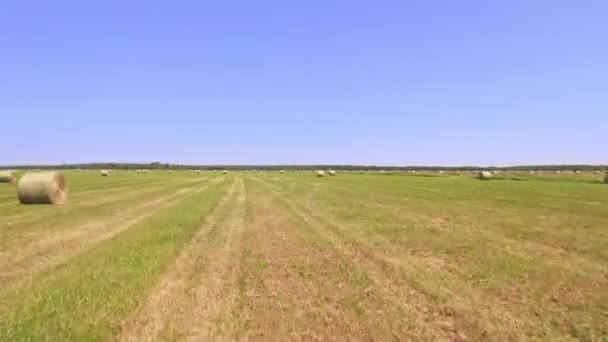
42	188
6	177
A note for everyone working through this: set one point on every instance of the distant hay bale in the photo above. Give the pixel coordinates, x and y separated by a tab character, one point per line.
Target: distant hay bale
332	173
42	188
225	171
105	173
6	176
596	172
282	171
198	171
577	172
485	175
320	173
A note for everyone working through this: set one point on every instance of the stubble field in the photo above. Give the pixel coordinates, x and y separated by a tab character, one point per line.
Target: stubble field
208	256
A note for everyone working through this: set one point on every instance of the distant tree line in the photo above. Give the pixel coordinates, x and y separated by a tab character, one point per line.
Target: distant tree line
166	166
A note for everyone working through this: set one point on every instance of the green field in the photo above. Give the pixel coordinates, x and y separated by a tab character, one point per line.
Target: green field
207	256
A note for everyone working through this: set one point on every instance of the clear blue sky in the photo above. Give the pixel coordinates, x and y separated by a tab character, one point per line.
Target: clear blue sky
309	81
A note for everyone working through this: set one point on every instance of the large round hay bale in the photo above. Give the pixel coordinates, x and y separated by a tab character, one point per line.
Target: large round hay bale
225	171
105	173
6	176
484	175
332	173
42	188
320	173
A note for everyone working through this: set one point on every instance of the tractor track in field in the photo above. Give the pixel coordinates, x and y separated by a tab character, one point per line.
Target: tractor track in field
50	251
432	319
200	285
288	290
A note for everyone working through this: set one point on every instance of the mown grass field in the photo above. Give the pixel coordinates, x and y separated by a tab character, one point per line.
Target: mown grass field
187	256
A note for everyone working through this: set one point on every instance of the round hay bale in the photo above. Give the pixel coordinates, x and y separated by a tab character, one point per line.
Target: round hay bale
332	173
105	173
42	188
6	176
485	175
282	171
225	171
320	173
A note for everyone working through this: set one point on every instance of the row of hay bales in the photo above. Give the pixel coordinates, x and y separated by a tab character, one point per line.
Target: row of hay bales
48	187
322	173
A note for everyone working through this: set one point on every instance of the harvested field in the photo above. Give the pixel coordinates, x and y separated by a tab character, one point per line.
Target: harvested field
269	256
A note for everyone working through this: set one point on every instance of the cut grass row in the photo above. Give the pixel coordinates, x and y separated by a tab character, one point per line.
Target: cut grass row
85	298
40	221
515	261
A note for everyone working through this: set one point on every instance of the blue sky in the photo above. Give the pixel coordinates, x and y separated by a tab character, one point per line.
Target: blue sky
316	81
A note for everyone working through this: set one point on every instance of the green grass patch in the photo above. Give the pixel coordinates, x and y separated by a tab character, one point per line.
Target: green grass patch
86	298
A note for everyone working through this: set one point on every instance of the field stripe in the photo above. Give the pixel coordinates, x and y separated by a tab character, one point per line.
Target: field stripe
198	284
24	264
84	299
91	200
432	318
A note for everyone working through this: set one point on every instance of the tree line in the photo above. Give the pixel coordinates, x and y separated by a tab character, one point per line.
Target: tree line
167	166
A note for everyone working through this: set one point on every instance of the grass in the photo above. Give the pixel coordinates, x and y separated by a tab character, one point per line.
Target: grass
81	299
356	256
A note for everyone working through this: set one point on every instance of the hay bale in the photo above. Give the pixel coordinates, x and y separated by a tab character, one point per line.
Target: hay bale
320	173
225	171
42	188
282	171
6	176
485	175
332	172
104	173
